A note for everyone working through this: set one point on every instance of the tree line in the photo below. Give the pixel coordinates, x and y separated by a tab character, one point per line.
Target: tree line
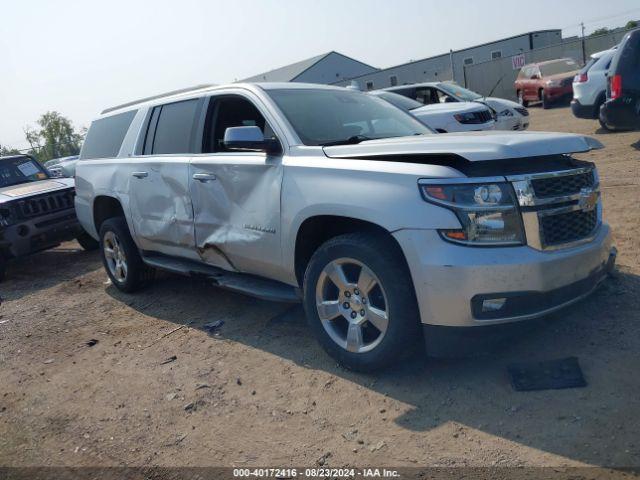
54	137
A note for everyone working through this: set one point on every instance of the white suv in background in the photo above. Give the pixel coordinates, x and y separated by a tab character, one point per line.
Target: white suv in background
590	85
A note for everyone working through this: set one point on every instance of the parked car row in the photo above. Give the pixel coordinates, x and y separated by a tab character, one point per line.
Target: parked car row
607	88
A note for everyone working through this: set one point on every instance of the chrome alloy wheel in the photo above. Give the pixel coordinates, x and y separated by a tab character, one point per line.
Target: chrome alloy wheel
352	305
115	256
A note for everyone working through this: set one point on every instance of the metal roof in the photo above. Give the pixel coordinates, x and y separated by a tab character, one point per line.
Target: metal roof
288	73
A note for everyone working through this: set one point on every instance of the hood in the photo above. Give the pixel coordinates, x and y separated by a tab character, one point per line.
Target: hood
452	107
472	146
24	190
499	104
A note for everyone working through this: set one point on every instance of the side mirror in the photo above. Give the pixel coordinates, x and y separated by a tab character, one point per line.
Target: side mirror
250	139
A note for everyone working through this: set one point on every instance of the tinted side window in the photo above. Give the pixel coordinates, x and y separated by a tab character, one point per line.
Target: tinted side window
174	128
105	136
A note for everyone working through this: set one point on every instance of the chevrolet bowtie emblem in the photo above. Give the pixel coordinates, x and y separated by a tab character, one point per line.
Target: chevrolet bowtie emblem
588	199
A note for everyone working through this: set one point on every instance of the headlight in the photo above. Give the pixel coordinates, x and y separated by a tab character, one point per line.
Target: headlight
487	212
505	113
465	117
554	83
6	217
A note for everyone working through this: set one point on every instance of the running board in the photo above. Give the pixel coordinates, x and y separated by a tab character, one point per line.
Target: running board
245	283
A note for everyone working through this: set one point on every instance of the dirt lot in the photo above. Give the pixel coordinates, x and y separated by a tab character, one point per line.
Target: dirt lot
262	392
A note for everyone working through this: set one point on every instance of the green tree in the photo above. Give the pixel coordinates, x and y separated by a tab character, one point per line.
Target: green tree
54	138
599	31
631	24
7	151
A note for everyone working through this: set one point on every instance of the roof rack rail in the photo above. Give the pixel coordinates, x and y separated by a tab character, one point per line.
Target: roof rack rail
154	97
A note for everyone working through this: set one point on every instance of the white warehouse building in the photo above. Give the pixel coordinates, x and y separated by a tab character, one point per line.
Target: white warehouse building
338	69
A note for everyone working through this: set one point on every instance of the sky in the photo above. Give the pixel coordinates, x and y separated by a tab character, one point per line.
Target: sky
78	57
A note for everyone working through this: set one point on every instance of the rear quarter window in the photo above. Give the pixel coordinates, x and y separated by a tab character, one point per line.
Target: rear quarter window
105	136
173	132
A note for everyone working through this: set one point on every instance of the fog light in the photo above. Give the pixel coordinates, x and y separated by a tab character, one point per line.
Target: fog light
493	304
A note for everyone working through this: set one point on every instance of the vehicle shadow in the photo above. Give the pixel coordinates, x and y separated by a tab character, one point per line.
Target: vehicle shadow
597	425
46	269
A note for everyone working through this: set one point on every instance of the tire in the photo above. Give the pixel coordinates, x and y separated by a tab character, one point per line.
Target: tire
116	247
3	268
544	100
524	103
87	242
366	261
604	125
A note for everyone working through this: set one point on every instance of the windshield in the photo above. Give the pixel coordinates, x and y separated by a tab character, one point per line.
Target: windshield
557	67
399	101
458	92
322	117
14	171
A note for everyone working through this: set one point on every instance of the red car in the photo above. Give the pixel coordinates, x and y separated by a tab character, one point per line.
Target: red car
546	82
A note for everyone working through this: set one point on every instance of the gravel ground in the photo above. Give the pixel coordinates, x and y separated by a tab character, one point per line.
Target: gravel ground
157	389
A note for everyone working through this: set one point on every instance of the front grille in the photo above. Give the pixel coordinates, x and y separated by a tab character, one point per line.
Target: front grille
567	227
562	185
45	204
522	111
480	116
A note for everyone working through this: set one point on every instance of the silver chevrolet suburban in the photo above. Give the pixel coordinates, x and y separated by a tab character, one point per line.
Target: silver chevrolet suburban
389	234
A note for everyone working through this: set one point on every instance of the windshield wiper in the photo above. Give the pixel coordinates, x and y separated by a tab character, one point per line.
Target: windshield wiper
348	141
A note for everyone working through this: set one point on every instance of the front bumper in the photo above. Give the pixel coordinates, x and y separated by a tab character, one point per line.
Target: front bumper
39	233
514	123
450	279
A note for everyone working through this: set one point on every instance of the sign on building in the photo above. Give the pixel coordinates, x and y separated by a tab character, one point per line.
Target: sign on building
518	61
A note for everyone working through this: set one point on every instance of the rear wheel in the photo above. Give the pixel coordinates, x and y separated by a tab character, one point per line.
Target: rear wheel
360	301
521	99
121	257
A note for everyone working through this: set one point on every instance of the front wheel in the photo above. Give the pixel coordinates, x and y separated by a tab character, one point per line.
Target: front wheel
121	257
360	301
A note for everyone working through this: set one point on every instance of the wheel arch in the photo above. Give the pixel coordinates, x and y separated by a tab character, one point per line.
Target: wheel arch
105	207
316	230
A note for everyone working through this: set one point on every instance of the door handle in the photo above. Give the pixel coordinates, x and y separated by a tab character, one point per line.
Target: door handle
140	174
204	177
